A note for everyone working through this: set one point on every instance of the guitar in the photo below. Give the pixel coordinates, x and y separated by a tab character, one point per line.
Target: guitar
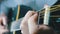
51	17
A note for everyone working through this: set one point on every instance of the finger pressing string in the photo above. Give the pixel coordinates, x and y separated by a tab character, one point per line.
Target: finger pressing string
32	23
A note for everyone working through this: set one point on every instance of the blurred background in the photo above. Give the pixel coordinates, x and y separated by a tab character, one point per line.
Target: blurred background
10	9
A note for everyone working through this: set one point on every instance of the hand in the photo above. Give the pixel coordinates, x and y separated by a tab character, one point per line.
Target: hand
32	23
2	25
24	24
29	25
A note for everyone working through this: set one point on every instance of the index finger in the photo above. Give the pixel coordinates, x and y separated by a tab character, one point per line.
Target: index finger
27	16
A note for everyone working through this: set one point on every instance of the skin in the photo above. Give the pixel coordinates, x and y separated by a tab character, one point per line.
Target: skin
24	23
2	27
29	24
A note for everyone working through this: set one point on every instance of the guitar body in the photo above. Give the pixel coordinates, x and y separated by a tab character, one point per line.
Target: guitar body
54	20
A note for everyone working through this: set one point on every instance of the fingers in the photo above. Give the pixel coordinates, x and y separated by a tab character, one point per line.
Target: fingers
28	14
33	18
3	21
2	29
2	24
24	23
42	26
32	23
